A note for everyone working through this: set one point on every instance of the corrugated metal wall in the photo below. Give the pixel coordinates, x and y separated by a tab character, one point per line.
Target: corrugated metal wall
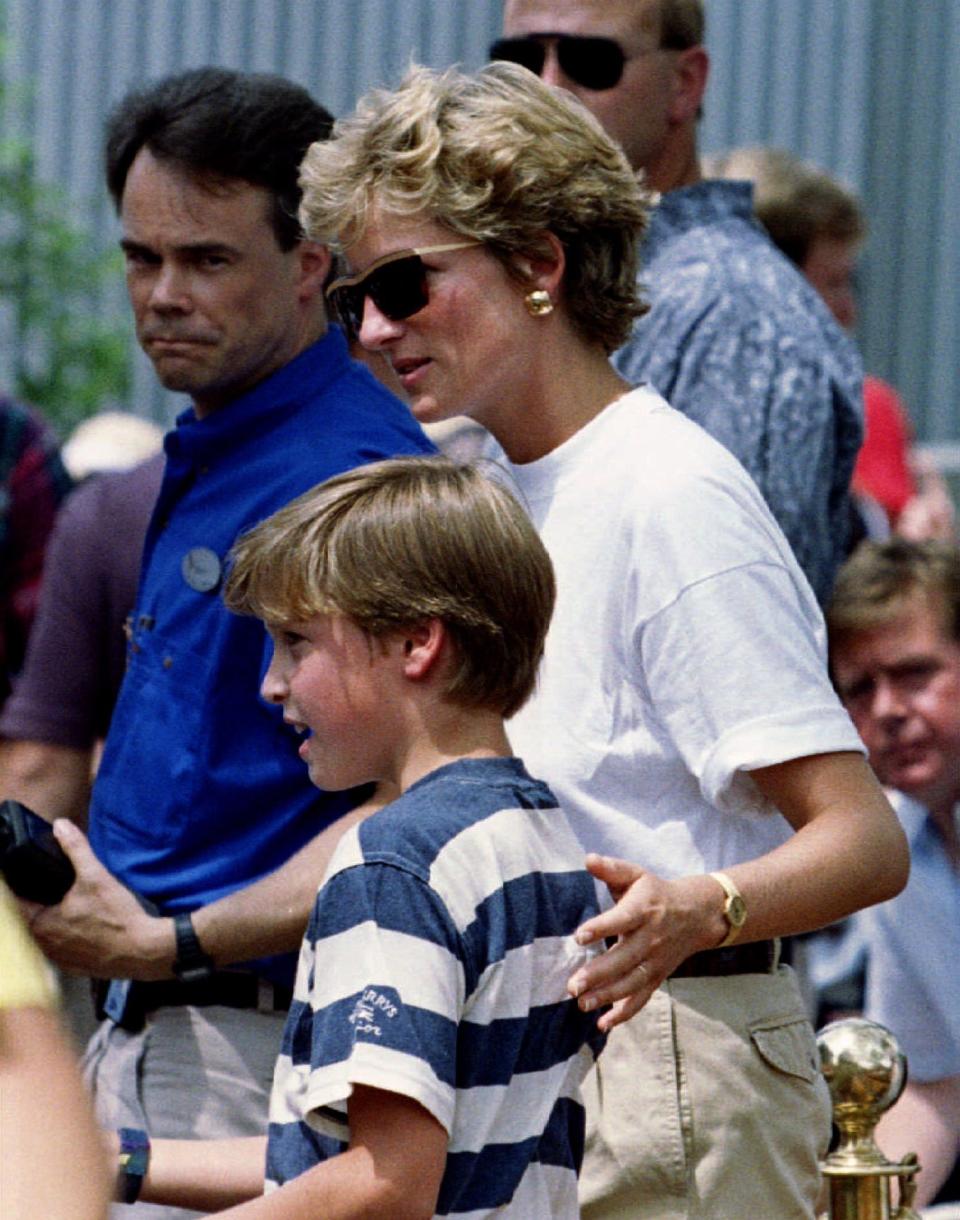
869	88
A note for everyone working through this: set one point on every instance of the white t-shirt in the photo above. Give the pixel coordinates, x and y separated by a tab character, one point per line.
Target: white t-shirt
686	647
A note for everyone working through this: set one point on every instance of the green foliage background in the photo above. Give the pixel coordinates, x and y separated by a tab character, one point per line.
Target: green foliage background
68	357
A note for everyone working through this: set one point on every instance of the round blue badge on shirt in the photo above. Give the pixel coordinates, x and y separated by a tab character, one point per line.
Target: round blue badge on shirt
201	569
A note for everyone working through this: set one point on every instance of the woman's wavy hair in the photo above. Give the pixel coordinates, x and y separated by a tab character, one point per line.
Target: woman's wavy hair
498	157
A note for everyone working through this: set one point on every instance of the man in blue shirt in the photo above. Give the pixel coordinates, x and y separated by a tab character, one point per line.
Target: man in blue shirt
895	652
734	337
201	805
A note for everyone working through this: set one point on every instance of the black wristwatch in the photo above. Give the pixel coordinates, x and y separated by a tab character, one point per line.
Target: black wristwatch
191	964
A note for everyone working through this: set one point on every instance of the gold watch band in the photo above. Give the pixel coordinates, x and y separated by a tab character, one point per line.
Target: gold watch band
734	908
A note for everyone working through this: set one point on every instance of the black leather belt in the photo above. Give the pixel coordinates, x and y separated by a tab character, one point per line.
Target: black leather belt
126	1003
757	958
231	988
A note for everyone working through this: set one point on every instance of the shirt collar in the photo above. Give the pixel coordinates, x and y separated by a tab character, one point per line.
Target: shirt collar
257	409
691	206
916	821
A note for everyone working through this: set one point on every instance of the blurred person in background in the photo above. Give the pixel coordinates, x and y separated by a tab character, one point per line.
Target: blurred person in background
33	483
820	225
109	441
894	627
734	337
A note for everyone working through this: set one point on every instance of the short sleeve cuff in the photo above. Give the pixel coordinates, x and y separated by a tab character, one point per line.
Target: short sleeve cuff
765	741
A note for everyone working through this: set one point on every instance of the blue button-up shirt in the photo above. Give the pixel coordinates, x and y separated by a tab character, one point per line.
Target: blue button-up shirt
739	341
912	948
200	791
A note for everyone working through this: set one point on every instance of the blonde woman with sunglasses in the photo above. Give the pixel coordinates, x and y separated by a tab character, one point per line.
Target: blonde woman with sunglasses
683	715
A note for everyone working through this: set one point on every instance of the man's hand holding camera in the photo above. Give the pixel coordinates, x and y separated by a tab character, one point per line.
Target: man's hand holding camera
99	928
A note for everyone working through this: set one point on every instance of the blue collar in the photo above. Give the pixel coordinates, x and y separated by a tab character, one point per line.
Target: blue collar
691	206
261	407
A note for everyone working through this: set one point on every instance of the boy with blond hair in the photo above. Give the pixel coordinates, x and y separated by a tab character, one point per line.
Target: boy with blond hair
432	1059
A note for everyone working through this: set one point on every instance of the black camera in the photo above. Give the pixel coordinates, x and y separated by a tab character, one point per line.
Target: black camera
33	863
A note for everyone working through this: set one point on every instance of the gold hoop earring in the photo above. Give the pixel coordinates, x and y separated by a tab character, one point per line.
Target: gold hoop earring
538	303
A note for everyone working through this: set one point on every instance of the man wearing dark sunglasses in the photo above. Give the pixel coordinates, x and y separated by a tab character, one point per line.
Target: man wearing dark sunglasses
619	58
734	337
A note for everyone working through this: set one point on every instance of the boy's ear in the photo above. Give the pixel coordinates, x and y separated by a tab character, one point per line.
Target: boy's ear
421	648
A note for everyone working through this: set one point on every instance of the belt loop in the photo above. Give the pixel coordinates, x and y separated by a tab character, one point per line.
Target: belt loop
266	1000
775	955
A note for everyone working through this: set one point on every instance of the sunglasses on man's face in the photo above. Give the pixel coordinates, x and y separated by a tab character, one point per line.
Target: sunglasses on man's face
396	283
594	63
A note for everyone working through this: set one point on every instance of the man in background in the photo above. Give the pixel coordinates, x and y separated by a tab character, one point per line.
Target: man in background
894	627
735	338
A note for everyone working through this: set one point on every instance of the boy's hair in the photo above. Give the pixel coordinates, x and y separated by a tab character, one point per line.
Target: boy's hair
400	542
880	579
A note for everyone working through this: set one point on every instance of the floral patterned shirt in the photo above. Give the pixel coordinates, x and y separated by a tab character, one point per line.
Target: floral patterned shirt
738	340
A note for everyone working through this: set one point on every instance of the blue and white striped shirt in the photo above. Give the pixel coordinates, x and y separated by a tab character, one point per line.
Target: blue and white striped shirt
435	965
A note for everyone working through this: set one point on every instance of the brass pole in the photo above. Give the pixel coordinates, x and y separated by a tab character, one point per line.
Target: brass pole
865	1072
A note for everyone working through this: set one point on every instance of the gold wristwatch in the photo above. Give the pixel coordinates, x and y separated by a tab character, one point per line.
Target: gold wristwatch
734	909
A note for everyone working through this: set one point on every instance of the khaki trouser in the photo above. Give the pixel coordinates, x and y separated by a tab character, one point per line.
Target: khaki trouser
191	1073
708	1105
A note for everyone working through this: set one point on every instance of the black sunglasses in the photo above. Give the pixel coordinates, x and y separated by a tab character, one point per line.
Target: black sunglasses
396	283
594	63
